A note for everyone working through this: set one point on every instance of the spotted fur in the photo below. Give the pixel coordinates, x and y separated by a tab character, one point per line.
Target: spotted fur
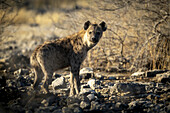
64	52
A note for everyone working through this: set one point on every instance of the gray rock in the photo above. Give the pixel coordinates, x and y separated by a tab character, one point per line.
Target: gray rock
21	72
119	106
57	111
128	88
95	106
85	105
66	110
133	105
163	78
77	110
168	108
48	101
105	95
83	98
85	90
72	100
86	70
86	73
112	69
99	76
56	75
47	109
152	73
111	78
28	111
92	83
138	74
73	105
91	97
59	83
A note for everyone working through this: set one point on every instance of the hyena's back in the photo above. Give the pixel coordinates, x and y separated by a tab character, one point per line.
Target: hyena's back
52	55
46	59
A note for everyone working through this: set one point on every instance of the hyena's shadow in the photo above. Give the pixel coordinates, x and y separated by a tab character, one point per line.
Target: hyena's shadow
34	100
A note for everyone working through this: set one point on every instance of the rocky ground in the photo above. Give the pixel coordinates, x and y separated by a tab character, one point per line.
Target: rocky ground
100	92
107	88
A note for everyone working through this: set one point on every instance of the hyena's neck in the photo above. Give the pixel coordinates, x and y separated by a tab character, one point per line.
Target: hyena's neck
78	42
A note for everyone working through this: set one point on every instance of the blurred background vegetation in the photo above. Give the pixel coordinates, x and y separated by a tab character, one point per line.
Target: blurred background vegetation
137	37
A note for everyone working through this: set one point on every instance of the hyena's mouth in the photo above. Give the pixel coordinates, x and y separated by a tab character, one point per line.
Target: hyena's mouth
94	40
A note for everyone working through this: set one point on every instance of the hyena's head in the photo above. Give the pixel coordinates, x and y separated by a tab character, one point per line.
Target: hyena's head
93	33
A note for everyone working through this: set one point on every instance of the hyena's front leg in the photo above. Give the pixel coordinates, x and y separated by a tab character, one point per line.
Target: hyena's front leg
77	82
72	92
74	80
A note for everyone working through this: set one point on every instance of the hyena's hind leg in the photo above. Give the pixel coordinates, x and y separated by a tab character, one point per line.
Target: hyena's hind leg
47	78
38	77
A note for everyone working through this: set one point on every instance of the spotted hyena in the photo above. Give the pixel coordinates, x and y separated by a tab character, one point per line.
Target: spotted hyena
64	52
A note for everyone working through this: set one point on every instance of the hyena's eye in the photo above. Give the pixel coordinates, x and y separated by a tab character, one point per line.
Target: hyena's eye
98	33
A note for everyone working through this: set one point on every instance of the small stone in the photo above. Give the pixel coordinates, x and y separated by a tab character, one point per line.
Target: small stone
72	100
91	97
73	105
111	78
86	73
86	91
163	78
57	111
48	101
133	105
99	76
128	88
110	84
138	74
21	72
95	105
152	73
59	83
77	110
112	69
92	83
85	105
66	110
28	111
105	95
118	105
168	108
56	75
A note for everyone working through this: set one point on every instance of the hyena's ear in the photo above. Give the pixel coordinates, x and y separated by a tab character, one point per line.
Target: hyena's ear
103	26
86	25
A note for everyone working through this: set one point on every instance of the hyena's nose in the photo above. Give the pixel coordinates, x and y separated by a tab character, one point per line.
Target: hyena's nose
94	39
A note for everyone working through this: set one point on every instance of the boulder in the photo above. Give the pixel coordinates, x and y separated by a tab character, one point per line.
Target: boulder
86	73
67	110
91	97
138	74
152	73
95	105
128	88
163	78
99	76
85	105
77	110
48	101
92	83
21	71
59	83
72	100
111	78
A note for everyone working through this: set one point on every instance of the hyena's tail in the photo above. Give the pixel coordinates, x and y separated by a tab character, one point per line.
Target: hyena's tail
37	70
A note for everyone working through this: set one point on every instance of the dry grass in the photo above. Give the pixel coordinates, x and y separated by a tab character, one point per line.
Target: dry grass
24	16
